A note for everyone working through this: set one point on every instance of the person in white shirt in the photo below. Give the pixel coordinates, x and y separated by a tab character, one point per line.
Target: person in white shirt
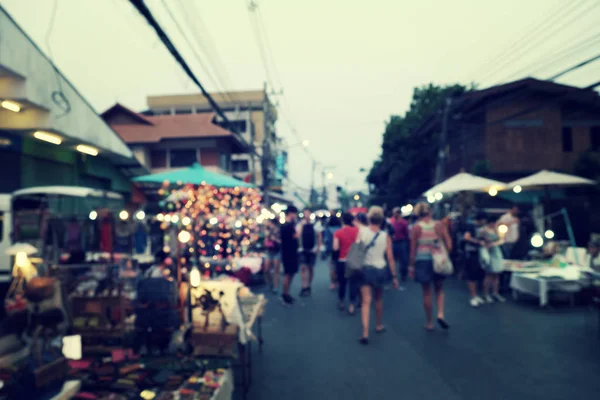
372	277
511	220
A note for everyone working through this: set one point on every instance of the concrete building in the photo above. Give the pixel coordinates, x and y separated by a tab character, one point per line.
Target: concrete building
253	116
49	133
166	142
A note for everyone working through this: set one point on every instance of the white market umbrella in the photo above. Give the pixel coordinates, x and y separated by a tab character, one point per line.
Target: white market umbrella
21	248
464	181
550	178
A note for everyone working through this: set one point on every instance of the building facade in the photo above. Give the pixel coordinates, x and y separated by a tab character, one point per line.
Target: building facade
49	133
253	116
166	142
519	128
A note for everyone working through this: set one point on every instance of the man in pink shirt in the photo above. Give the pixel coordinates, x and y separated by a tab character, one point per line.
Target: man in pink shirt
400	242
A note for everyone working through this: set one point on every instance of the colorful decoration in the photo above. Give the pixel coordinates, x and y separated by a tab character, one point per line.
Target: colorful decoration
209	224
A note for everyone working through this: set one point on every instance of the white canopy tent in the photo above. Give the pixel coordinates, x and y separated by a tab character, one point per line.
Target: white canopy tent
550	178
465	182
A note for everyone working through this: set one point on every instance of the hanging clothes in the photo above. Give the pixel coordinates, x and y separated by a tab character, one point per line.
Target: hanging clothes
106	236
73	236
140	238
123	237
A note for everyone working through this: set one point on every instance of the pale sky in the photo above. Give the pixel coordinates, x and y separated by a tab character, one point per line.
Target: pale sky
345	65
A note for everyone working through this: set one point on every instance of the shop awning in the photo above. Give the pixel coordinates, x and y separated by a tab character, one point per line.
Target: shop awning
195	175
550	178
464	182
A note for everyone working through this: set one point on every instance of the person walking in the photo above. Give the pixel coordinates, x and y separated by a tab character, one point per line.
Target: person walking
272	245
310	242
372	277
400	242
342	241
425	236
289	252
473	271
334	224
492	259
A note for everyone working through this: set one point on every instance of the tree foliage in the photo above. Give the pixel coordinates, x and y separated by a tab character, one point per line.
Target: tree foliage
407	162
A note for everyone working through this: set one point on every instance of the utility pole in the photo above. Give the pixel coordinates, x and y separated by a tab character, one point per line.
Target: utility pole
441	162
312	196
324	190
266	153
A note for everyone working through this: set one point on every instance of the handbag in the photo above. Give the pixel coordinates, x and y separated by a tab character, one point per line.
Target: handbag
355	260
441	261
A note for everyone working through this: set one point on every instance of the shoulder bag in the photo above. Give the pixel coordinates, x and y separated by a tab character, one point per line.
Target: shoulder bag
441	260
355	260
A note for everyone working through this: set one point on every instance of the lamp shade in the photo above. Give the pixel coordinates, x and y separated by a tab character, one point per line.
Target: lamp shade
21	248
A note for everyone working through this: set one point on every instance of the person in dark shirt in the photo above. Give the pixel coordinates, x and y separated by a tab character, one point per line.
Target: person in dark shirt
289	252
400	242
473	270
310	243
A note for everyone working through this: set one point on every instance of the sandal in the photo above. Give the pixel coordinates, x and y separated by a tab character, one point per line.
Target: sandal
441	322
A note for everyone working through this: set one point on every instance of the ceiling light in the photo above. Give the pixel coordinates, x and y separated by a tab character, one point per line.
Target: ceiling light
47	137
11	106
92	151
123	215
493	192
517	189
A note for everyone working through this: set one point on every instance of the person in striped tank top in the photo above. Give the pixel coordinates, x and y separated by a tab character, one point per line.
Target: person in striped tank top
425	235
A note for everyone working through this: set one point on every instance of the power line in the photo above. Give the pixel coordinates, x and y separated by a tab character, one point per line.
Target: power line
529	45
573	68
583	45
510	49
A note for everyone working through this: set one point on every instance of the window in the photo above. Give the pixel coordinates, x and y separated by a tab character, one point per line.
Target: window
240	166
595	138
224	161
158	159
567	139
183	158
1	226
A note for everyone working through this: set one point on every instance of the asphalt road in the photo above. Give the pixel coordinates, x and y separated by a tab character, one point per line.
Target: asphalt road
499	351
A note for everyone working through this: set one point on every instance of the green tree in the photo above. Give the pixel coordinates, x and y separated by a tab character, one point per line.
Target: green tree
405	167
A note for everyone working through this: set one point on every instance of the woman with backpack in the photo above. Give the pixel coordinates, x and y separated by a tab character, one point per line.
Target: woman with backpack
373	275
426	236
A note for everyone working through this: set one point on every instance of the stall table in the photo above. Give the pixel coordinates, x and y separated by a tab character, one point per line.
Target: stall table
539	282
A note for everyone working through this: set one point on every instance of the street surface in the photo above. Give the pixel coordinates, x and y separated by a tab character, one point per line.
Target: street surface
497	352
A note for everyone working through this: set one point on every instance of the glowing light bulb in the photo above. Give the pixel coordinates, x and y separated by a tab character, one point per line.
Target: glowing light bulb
195	277
186	221
438	196
93	215
175	219
537	240
214	221
503	229
140	215
160	217
184	236
123	215
517	189
493	191
238	224
431	199
549	234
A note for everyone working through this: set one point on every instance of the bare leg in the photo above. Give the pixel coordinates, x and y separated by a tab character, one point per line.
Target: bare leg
287	281
496	283
486	284
311	274
304	274
439	298
472	285
275	276
365	292
267	273
427	304
378	295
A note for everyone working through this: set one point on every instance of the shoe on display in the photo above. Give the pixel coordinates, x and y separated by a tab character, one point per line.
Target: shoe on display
489	299
499	298
474	302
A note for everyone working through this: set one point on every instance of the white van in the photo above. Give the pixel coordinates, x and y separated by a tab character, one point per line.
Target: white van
5	241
